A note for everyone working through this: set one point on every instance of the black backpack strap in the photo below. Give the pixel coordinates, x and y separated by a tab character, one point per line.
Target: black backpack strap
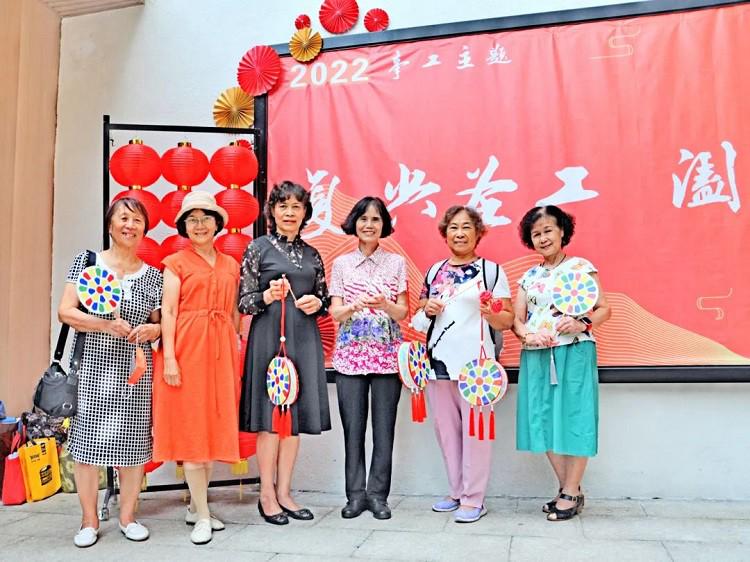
64	329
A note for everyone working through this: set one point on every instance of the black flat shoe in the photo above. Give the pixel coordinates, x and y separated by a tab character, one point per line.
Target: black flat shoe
564	514
354	508
379	508
276	519
303	514
547	507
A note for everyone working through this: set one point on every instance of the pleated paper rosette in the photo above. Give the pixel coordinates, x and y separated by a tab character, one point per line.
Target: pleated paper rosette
305	44
234	108
259	70
302	21
376	20
338	16
327	333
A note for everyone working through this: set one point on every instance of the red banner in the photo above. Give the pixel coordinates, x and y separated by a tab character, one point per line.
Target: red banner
637	127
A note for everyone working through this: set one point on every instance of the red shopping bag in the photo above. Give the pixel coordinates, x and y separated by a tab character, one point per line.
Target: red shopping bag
14	490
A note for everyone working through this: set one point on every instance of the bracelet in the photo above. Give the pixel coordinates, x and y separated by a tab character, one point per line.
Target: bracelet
523	338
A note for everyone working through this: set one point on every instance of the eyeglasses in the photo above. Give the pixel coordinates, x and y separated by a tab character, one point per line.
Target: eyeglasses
195	221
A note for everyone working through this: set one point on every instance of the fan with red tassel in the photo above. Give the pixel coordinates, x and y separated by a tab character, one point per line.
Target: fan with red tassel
414	369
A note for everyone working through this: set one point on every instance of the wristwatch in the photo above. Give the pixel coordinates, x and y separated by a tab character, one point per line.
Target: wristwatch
589	325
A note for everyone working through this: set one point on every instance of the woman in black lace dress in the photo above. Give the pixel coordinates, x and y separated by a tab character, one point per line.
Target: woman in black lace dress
266	259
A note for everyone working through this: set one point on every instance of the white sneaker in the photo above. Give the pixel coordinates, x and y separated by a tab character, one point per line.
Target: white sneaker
192	518
86	536
134	531
201	532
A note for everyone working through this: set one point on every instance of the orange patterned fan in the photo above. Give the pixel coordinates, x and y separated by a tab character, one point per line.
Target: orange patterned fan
259	70
338	16
305	44
376	20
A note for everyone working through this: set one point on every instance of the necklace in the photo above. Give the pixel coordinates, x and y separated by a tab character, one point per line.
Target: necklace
556	265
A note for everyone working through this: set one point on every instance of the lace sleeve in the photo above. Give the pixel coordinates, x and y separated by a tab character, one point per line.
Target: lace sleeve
320	288
250	297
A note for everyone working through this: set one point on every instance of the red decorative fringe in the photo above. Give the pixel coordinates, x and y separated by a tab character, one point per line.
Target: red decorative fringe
492	425
481	425
471	422
276	420
414	408
423	402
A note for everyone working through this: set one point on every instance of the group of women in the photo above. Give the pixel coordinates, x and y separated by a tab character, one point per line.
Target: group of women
191	402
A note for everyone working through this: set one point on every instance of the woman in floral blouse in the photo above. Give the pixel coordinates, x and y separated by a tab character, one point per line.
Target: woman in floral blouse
266	259
558	409
368	298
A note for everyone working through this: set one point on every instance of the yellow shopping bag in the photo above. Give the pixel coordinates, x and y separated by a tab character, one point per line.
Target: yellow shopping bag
41	469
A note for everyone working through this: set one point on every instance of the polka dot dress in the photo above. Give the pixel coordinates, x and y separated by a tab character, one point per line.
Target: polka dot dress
113	424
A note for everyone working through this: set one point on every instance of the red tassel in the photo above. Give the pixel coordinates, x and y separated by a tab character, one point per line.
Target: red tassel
414	408
287	422
471	422
492	425
481	425
276	420
423	401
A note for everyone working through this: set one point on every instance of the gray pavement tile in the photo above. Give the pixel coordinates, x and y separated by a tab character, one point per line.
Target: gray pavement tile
532	549
697	509
394	545
667	529
43	524
192	553
166	532
518	524
692	552
303	558
593	507
401	520
297	539
59	503
9	516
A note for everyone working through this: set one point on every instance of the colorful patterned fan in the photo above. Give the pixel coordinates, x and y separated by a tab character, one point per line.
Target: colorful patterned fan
302	21
376	20
282	383
99	290
259	70
234	108
327	333
414	370
575	293
305	45
338	16
482	382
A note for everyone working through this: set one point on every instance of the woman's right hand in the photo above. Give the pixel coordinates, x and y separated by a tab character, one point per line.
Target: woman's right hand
276	291
540	339
118	328
171	372
433	307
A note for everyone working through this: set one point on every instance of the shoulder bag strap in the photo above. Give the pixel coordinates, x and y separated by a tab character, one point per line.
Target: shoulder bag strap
64	329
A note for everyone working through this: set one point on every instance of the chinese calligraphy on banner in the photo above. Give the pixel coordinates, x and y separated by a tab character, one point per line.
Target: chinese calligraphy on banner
614	121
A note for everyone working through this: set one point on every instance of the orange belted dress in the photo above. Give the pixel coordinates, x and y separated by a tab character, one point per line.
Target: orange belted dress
197	421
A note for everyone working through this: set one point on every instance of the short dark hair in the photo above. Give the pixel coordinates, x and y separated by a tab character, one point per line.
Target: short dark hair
564	220
283	191
181	223
131	204
349	226
474	215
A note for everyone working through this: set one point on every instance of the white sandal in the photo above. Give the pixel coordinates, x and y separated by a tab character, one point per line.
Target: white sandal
85	537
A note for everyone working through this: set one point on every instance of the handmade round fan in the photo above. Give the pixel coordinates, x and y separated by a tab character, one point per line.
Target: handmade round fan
575	293
280	380
419	364
338	16
482	382
234	108
259	70
302	21
305	45
99	290
403	367
376	20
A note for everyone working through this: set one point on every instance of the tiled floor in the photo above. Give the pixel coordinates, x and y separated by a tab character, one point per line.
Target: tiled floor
514	529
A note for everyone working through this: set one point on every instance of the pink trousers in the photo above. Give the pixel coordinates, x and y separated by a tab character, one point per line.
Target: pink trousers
467	459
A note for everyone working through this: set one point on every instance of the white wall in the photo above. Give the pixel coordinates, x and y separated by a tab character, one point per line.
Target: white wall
167	62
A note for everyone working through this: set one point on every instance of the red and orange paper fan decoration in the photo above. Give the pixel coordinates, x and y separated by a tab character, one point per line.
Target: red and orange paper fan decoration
338	16
234	108
302	21
305	44
259	70
376	20
327	334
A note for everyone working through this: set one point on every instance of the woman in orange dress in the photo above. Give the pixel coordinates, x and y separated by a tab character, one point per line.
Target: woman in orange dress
196	395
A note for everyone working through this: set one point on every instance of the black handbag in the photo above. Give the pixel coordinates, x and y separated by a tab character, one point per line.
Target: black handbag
56	393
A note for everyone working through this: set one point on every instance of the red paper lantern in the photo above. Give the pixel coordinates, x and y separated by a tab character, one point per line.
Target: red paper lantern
233	244
135	164
234	165
240	205
149	200
184	165
150	251
172	244
171	204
